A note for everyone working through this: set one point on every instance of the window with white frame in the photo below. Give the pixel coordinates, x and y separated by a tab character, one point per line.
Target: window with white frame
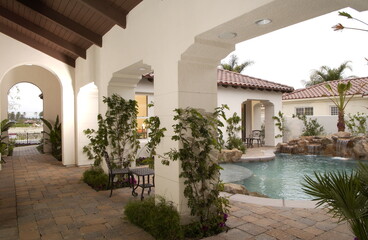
334	110
142	101
304	111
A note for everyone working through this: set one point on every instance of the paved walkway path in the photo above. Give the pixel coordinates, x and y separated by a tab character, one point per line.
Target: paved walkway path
41	199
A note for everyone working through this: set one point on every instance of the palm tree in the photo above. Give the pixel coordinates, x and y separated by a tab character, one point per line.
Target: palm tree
344	195
325	74
341	99
233	66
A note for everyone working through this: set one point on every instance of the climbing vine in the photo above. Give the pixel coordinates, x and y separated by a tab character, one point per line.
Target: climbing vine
198	133
280	124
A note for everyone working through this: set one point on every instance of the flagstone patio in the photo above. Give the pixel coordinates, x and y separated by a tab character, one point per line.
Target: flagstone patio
41	199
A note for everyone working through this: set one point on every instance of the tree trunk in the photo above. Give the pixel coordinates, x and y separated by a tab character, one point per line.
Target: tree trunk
341	121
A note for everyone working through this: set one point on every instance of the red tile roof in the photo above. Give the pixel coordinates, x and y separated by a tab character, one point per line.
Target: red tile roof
359	86
227	78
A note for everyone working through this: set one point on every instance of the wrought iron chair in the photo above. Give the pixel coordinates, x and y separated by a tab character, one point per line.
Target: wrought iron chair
114	170
256	136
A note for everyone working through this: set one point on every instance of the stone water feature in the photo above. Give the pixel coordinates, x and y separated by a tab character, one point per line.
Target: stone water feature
340	144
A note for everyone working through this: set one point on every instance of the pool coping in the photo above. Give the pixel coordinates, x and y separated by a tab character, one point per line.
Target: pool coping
267	156
271	202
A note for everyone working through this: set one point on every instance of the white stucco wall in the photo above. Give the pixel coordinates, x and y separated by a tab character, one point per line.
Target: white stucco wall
321	106
14	54
321	112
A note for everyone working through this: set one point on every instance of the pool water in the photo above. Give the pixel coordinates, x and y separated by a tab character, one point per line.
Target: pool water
282	177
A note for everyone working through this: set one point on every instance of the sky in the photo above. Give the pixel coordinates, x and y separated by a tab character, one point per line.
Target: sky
28	101
286	56
289	55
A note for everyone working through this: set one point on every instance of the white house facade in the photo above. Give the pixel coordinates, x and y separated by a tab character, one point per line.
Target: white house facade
255	100
316	102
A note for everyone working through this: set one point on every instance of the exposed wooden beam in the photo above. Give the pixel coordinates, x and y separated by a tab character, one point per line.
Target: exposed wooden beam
63	21
24	23
32	43
118	17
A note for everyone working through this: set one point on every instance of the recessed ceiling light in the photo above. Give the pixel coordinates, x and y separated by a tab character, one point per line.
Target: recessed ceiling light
142	69
263	21
227	35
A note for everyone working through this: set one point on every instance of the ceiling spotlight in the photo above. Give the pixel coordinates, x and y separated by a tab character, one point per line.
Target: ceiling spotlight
227	35
263	21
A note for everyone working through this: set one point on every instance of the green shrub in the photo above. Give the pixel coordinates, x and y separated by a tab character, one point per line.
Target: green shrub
311	126
357	123
96	178
159	219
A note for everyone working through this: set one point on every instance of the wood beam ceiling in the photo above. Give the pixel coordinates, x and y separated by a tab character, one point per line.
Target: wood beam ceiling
63	21
27	25
37	45
115	15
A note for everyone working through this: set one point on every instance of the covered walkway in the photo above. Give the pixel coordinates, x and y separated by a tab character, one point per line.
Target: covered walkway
41	199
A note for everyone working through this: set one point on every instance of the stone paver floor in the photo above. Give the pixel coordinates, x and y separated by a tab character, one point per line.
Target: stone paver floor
41	199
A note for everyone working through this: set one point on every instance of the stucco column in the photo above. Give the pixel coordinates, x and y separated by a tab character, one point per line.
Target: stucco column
257	121
182	84
248	117
269	125
86	117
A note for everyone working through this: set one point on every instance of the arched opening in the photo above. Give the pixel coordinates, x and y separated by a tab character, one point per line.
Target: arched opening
48	84
25	108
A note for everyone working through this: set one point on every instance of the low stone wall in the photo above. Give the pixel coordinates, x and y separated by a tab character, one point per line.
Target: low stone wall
340	144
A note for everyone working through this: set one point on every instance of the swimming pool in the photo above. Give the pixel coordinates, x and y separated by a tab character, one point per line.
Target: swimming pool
282	177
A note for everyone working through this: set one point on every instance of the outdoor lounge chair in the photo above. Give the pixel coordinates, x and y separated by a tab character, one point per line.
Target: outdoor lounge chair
113	171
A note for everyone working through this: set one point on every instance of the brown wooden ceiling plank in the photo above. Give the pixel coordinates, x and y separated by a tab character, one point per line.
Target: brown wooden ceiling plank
115	15
36	45
63	21
24	23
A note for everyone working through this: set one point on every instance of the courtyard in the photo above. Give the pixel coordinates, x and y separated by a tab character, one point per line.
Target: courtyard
42	199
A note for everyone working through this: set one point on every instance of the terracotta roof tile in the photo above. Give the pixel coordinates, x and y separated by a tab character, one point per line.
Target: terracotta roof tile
359	86
227	78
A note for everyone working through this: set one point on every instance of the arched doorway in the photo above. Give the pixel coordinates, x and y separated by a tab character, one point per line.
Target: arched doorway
45	80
